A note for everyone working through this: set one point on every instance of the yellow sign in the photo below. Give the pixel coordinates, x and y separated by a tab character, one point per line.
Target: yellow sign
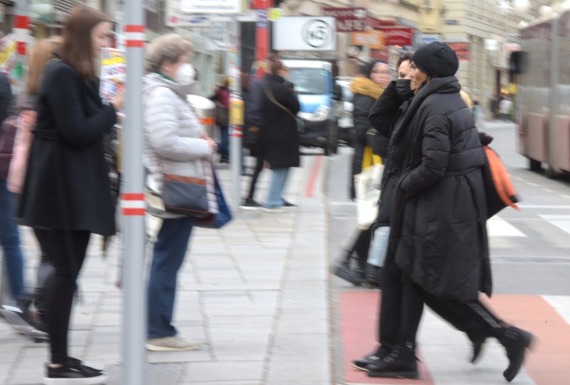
371	39
274	14
236	112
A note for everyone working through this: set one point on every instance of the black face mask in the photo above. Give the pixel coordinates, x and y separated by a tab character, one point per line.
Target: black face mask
403	89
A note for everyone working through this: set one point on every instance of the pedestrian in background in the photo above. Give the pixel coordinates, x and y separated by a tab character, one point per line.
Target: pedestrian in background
67	188
279	135
252	137
39	55
222	99
367	87
174	141
9	235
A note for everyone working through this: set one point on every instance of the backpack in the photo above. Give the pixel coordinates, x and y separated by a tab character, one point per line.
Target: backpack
7	135
499	190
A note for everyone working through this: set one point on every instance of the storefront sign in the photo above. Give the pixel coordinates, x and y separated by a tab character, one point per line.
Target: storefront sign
304	33
370	39
401	36
462	50
348	19
210	6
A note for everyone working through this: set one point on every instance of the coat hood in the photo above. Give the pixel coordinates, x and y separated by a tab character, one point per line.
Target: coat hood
366	87
153	80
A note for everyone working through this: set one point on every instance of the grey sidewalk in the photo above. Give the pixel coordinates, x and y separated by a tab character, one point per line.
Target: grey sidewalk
255	294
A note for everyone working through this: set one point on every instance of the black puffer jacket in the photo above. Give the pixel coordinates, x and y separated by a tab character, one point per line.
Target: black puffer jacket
438	234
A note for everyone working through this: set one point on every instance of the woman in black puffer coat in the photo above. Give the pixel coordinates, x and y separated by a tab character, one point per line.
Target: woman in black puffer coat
438	235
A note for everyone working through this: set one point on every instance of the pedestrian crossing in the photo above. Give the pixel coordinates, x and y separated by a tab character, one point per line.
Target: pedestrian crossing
444	352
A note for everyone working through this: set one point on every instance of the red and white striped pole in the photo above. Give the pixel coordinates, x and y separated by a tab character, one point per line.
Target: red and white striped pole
21	36
133	203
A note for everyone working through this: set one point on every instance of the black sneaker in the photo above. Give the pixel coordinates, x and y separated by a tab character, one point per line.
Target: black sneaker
289	205
378	355
250	204
74	373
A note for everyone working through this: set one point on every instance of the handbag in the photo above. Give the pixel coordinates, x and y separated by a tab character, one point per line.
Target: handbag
222	217
185	195
182	195
222	115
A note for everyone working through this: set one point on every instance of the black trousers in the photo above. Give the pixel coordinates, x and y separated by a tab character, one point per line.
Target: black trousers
67	250
45	272
255	176
401	309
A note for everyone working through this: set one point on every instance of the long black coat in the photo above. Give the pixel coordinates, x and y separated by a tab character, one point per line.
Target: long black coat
438	233
67	185
279	136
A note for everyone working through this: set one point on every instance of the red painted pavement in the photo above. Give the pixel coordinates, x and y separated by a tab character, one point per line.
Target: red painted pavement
547	364
358	312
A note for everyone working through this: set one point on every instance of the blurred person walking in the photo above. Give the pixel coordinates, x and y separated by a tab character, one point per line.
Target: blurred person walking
9	235
174	140
222	99
446	265
67	188
279	136
366	88
39	55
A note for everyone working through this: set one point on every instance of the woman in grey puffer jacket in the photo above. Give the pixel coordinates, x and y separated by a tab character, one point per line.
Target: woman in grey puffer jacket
174	142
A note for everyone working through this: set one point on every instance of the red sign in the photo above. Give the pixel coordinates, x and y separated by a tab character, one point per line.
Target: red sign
348	19
461	50
398	35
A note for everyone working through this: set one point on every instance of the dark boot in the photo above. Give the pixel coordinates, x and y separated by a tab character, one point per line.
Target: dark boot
354	276
400	363
373	276
379	354
477	344
515	341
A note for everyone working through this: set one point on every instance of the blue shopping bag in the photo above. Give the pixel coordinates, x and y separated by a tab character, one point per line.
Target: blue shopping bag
224	215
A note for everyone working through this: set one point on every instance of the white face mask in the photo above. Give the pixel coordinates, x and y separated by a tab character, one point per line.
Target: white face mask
185	74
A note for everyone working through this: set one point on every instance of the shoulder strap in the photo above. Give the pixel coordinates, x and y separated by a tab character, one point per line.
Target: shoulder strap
274	101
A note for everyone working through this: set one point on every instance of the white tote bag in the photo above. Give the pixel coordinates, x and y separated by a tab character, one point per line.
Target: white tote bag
367	188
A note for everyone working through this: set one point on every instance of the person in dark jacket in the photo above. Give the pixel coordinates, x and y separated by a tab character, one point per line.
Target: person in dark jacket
279	136
438	235
252	137
67	188
386	113
366	88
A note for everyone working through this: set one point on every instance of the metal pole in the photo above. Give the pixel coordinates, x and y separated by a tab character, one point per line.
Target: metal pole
132	202
21	36
236	111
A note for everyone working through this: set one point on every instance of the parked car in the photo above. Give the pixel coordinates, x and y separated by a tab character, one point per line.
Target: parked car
313	82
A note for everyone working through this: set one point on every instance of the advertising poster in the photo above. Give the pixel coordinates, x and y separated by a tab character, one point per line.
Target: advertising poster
113	72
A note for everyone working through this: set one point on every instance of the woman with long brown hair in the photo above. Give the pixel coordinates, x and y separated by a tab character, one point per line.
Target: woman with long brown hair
67	189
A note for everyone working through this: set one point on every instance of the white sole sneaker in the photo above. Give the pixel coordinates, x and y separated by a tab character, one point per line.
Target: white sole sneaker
102	379
274	209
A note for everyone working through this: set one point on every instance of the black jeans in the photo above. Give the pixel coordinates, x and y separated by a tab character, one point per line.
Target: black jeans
402	304
255	176
67	250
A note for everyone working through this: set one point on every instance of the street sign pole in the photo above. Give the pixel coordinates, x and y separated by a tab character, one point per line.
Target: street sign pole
236	112
132	202
21	36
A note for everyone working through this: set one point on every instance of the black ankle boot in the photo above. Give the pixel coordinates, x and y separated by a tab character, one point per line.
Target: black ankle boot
342	270
515	341
477	345
400	363
379	354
